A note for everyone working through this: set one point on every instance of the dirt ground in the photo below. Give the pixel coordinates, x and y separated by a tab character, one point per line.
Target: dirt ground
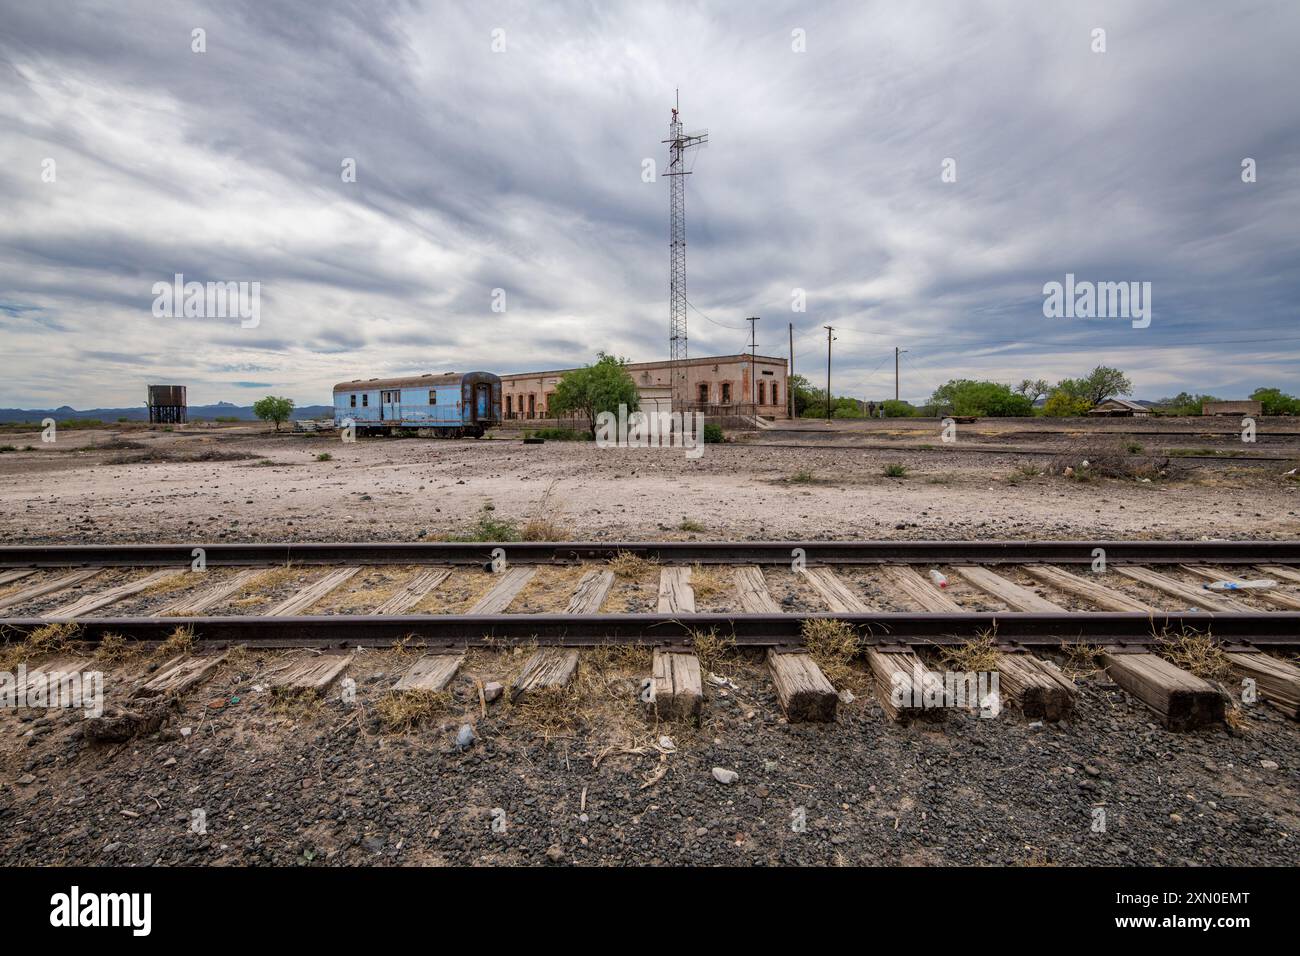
587	778
244	483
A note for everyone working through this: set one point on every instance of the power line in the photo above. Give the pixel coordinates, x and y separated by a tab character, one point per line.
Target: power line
735	328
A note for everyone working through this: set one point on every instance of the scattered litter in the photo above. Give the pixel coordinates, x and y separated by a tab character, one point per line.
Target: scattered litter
260	687
846	696
1291	472
186	731
1257	584
666	744
722	681
939	578
725	776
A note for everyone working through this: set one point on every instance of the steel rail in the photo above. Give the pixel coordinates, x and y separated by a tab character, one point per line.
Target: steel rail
973	449
751	630
775	553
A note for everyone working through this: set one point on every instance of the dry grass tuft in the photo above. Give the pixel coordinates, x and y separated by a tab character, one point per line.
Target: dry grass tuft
400	649
113	649
297	705
623	657
177	582
1081	660
1198	653
45	640
401	712
708	582
979	654
712	648
541	526
624	564
1236	720
553	712
834	645
544	529
180	641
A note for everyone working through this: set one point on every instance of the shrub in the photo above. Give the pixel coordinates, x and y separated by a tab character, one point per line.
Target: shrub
562	434
712	433
1061	404
894	408
1276	402
968	397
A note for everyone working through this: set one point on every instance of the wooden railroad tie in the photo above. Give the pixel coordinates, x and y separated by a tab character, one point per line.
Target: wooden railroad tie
1181	700
178	675
310	674
676	688
430	672
549	668
801	687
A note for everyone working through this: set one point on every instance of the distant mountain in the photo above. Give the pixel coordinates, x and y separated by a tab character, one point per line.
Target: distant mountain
141	414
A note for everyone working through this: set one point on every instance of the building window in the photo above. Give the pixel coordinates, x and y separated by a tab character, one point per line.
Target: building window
704	393
354	400
762	393
776	395
510	403
726	393
365	399
433	397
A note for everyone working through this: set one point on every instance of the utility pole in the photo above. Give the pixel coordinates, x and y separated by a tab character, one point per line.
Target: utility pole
830	337
753	363
679	144
897	353
789	375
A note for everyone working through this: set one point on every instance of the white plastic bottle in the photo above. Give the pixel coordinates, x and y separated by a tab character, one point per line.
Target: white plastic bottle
938	578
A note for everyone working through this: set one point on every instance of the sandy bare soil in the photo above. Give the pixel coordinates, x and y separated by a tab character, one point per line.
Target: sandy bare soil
589	780
244	483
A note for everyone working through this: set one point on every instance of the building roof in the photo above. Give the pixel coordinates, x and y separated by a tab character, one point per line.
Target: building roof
663	363
1124	403
408	381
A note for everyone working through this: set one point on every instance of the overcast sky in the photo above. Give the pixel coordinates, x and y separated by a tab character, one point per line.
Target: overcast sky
522	170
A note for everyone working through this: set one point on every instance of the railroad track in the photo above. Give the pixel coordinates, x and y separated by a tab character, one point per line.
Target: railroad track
971	448
1029	596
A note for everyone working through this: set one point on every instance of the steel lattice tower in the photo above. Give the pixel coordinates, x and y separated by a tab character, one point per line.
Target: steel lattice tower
678	144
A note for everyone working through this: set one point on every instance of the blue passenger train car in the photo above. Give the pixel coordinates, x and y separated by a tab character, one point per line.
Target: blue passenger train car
450	405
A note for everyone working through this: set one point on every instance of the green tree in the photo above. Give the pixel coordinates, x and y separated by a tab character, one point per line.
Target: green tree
1033	388
1276	401
1183	404
965	396
597	388
1104	382
805	395
273	409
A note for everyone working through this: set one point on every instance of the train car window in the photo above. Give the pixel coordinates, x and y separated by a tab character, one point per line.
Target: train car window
365	399
433	397
354	401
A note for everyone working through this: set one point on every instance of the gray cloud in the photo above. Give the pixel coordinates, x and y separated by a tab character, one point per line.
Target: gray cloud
522	171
